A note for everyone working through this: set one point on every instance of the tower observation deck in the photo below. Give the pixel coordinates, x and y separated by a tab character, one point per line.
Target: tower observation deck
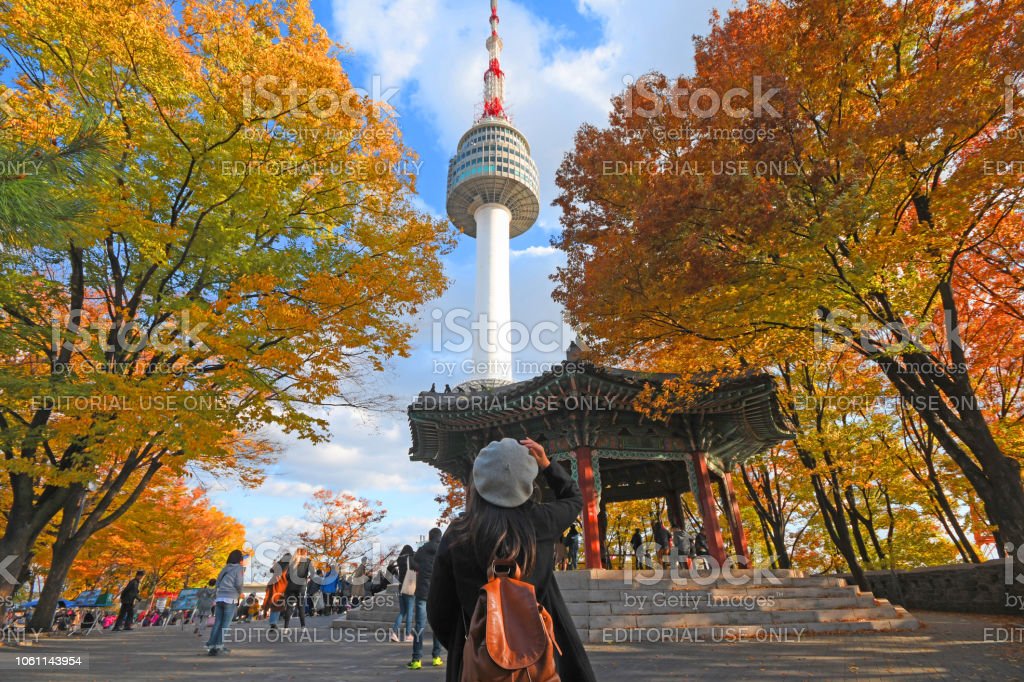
493	195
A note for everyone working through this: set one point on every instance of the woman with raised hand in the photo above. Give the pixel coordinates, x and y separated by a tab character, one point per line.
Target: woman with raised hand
505	518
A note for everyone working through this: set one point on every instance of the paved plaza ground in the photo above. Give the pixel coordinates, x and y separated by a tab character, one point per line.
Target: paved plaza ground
948	647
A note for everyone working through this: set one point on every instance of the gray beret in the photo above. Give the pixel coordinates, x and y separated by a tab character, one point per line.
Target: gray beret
503	473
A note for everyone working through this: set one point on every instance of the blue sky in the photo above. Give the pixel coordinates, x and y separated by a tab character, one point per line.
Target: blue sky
563	60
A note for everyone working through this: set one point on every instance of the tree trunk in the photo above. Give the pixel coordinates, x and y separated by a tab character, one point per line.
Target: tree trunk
770	516
942	395
27	517
782	559
65	548
53	587
952	523
838	529
855	526
16	551
74	531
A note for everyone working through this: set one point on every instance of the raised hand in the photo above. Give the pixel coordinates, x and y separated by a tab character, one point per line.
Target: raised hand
537	450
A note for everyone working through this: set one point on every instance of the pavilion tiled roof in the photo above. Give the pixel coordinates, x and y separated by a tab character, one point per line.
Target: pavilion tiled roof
735	418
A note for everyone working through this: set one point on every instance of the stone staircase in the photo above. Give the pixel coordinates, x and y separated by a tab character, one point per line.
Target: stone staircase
372	620
689	606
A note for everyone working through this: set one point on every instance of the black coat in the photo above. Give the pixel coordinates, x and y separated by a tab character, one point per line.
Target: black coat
423	564
130	593
458	577
403	566
298	574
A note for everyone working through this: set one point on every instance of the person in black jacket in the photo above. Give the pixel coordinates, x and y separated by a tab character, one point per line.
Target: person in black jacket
505	519
662	539
636	542
129	595
406	602
423	563
572	546
294	592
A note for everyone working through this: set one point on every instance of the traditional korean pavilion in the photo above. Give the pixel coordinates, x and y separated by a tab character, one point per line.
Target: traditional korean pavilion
585	417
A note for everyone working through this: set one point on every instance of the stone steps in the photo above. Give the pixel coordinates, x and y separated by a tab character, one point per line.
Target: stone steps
375	614
621	606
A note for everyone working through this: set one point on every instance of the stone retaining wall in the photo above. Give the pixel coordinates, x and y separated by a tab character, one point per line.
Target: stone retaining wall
976	588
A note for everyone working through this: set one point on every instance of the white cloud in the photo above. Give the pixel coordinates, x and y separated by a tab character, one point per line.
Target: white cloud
535	251
365	452
277	487
286	527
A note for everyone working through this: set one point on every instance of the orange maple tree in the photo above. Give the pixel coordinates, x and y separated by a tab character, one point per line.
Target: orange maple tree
342	525
173	532
860	197
452	501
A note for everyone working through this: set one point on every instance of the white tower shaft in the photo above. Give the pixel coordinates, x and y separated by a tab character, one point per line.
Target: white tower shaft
492	352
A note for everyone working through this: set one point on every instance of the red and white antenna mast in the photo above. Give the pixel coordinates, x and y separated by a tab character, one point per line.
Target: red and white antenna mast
494	77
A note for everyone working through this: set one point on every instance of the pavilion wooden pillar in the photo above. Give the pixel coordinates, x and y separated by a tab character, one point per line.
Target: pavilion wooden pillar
706	496
591	527
739	536
602	526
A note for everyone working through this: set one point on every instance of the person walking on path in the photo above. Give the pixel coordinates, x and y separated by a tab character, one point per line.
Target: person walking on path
423	563
662	540
406	602
506	519
636	542
294	597
681	547
573	546
129	595
273	600
204	605
700	548
359	580
230	586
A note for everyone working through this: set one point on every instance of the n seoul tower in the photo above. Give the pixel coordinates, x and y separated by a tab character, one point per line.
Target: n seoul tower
493	196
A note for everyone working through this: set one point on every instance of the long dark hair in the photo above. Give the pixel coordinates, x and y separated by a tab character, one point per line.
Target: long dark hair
497	532
236	556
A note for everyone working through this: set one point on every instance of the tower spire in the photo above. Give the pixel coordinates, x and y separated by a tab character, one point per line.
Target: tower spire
494	77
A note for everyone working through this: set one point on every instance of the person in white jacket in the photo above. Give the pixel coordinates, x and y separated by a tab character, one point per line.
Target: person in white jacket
230	584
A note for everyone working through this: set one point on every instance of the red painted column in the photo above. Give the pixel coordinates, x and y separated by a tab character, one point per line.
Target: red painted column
739	536
706	496
591	528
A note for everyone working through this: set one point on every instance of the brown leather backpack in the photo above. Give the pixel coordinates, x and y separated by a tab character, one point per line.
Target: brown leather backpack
511	637
274	598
